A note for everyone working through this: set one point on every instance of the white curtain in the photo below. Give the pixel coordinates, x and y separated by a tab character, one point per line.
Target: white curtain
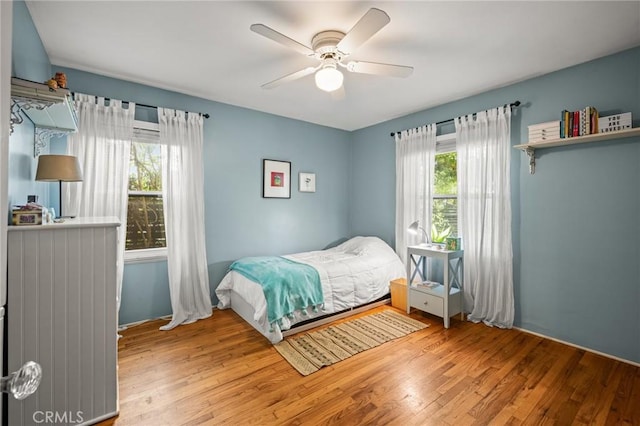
484	215
181	137
415	161
102	146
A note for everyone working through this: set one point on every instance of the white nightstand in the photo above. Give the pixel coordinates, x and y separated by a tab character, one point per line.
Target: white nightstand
443	300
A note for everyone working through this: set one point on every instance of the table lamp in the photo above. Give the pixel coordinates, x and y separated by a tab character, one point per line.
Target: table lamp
415	229
60	168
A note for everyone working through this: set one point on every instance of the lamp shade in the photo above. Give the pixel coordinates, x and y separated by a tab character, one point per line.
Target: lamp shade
414	227
329	78
58	168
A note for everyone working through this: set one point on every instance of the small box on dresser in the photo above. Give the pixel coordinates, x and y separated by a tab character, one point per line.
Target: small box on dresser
26	217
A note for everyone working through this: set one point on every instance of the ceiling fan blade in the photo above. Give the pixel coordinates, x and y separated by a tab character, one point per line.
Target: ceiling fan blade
363	30
272	34
290	77
339	94
379	69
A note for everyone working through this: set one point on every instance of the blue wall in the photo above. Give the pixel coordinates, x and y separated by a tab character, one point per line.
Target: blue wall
29	61
576	221
145	292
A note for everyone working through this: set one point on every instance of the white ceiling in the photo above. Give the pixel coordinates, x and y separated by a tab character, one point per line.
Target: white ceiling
206	49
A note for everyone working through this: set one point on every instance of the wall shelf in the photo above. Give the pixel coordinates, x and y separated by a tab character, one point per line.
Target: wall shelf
51	111
530	148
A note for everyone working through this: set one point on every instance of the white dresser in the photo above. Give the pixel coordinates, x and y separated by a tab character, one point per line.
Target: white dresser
61	313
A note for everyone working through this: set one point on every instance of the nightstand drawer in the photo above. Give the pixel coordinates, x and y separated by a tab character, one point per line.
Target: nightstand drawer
427	303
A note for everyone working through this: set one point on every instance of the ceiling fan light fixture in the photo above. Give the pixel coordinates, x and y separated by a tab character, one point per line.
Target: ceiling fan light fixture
328	78
331	48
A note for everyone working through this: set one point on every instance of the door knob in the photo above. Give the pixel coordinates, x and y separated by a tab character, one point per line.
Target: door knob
23	382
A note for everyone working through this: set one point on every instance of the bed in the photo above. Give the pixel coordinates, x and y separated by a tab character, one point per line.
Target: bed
353	276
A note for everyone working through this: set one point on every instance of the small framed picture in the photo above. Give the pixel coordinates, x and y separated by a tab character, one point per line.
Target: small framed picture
276	179
453	243
307	182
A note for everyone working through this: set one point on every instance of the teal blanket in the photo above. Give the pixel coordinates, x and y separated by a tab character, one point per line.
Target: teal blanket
288	286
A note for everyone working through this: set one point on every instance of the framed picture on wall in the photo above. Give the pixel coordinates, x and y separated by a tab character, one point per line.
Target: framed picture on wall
276	179
307	182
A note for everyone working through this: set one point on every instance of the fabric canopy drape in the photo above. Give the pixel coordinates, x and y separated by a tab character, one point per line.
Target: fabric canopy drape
415	162
102	146
181	137
484	215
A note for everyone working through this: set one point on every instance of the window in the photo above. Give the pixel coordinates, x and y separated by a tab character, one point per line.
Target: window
145	217
445	193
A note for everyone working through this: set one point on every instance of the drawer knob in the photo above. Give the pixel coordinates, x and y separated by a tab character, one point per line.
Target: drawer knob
426	303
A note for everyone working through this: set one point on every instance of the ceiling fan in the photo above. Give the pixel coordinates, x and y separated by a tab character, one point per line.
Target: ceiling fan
331	48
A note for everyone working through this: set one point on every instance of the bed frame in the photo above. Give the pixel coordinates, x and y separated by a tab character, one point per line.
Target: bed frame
242	308
326	319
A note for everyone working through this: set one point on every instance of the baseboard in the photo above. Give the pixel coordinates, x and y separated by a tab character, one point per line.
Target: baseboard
626	361
122	327
164	317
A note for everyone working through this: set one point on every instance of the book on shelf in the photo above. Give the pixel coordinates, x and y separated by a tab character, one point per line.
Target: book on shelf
583	123
578	123
563	123
594	120
590	121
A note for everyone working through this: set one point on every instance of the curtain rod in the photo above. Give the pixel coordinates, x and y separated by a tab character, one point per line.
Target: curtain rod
205	115
512	105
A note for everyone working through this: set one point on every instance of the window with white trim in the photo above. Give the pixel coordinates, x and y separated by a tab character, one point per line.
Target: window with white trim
444	220
145	217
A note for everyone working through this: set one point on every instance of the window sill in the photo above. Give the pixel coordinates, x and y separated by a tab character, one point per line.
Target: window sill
145	255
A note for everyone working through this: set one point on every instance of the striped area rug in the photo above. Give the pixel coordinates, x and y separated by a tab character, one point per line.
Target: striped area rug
311	351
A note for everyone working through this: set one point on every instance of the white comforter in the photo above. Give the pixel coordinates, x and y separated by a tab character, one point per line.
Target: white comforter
356	272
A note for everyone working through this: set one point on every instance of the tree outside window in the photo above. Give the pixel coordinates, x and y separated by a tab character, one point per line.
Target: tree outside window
145	218
445	197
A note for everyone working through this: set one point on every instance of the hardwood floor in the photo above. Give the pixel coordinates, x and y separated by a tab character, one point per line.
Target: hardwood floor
220	370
